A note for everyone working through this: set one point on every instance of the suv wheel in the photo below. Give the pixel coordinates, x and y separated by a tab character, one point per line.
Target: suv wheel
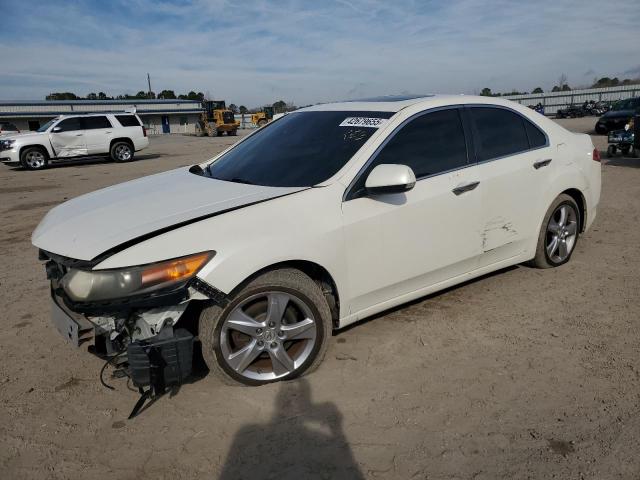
559	233
121	152
275	328
34	158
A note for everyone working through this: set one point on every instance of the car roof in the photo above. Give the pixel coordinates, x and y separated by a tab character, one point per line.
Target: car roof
396	103
94	114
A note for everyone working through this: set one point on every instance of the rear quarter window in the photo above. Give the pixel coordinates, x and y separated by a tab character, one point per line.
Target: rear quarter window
536	137
128	120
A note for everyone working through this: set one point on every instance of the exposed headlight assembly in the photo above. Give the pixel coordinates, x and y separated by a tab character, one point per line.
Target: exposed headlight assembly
96	285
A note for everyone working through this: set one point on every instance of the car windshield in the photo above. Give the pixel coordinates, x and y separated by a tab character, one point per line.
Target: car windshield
46	126
301	149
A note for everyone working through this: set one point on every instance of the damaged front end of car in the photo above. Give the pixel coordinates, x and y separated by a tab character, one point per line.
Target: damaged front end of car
130	310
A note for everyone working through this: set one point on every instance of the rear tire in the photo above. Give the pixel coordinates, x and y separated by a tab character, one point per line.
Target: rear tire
262	123
121	152
559	233
34	158
245	325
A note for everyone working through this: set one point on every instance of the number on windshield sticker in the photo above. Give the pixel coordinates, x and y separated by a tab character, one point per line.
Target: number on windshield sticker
363	122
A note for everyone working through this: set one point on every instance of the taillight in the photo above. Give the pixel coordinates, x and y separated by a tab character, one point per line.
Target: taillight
596	155
144	131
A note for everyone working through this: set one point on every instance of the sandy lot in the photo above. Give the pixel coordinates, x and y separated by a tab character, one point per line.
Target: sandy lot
521	374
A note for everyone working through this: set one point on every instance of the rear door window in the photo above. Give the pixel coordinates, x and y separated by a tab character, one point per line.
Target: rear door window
128	120
69	125
92	123
498	132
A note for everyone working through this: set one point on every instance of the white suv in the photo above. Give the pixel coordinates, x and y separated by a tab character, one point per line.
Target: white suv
117	135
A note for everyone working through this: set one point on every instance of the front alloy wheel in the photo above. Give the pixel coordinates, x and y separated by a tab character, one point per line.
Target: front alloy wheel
268	335
276	328
33	159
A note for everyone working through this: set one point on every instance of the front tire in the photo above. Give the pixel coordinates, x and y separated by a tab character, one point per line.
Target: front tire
559	233
121	152
276	328
34	158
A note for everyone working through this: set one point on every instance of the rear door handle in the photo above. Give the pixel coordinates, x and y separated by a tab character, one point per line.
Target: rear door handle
541	163
459	190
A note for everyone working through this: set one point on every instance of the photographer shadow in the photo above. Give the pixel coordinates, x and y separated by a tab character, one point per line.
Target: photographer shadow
302	440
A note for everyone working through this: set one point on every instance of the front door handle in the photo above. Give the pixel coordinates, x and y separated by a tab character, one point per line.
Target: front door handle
467	187
541	163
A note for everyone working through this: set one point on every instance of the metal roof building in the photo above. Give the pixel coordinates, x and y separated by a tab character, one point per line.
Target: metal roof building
159	116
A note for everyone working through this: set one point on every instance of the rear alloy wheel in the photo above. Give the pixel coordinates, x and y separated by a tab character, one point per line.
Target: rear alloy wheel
559	233
121	152
262	123
34	158
276	328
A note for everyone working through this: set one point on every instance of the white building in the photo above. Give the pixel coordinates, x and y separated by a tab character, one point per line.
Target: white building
159	116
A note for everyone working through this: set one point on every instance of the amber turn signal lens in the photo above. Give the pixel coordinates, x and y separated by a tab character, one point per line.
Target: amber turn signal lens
174	270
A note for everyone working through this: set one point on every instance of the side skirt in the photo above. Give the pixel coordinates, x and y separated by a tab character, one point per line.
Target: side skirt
394	302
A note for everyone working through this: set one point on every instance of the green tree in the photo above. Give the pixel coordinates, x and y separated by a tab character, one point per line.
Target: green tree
566	88
486	92
61	96
279	107
233	107
103	96
537	90
243	109
167	94
556	89
92	96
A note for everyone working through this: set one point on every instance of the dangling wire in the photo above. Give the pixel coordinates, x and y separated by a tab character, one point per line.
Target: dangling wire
106	364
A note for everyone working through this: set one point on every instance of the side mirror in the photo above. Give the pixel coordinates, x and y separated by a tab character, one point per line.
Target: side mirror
390	178
56	129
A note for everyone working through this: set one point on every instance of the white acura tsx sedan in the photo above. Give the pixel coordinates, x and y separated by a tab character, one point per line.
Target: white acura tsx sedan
323	217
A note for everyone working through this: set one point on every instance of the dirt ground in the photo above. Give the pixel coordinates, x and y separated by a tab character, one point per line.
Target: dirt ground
522	374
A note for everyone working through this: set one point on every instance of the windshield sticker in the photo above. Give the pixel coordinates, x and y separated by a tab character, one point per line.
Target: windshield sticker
363	122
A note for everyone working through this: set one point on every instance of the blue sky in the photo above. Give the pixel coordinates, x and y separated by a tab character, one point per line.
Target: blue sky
256	52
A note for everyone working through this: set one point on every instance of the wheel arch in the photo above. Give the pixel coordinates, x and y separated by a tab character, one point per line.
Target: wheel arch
38	146
315	271
121	139
582	205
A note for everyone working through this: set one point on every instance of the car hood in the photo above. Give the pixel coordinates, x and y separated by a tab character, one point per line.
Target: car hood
12	135
611	114
89	225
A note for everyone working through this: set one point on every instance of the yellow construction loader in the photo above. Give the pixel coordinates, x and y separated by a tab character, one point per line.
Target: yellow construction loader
217	119
261	118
